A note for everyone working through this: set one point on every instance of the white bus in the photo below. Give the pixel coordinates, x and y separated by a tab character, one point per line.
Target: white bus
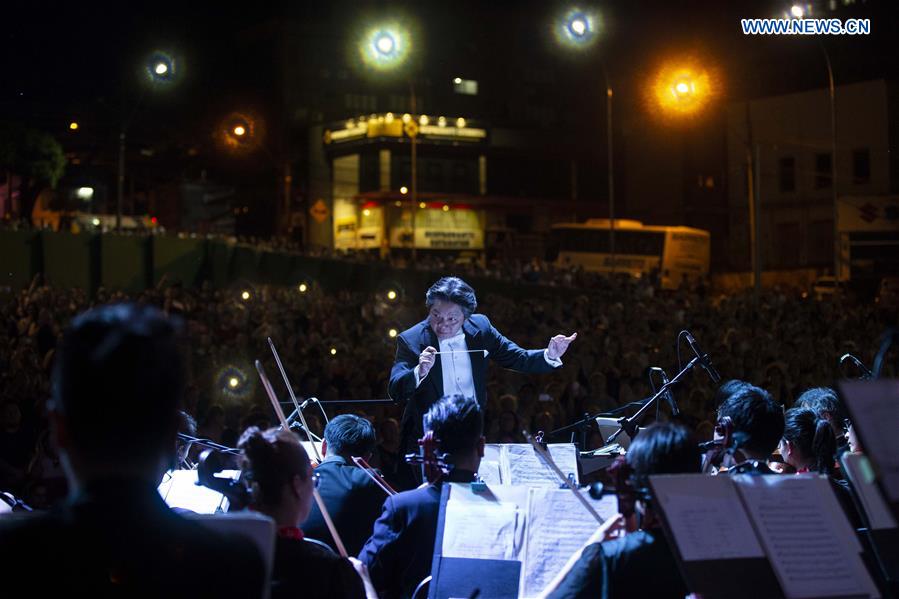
675	252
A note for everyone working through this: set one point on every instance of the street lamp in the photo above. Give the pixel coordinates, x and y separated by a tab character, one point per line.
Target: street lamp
682	88
798	11
160	69
578	29
384	47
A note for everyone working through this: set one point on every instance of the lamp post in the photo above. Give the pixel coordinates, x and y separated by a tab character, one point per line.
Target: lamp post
386	47
578	29
798	11
160	69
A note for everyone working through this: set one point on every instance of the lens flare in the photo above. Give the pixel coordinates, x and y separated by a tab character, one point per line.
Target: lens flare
682	88
385	46
577	28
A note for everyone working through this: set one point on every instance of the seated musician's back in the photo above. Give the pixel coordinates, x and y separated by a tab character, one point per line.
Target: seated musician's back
401	548
118	382
639	563
352	498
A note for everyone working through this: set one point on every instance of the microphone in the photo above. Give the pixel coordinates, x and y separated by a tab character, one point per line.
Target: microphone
669	396
704	360
866	373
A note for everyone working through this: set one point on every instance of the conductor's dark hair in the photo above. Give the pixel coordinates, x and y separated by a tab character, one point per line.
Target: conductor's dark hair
455	290
349	434
118	383
457	423
825	402
758	420
271	459
812	436
663	448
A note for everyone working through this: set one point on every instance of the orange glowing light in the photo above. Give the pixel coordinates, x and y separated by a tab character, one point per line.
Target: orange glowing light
682	88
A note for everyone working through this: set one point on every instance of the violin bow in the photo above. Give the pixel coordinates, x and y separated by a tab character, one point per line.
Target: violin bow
293	398
373	474
327	517
267	385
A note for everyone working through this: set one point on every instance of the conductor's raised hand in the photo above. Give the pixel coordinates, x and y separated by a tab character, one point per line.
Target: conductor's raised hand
558	345
426	361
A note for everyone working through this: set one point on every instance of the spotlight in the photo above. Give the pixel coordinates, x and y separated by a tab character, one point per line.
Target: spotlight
302	288
333	351
404	190
233	382
245	295
392	333
391	295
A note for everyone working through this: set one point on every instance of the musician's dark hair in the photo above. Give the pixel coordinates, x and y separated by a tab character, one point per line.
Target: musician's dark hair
825	402
271	459
456	421
758	420
728	388
663	448
812	436
118	382
350	435
455	290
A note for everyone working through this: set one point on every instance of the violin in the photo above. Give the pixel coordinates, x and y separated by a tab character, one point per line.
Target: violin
433	464
719	448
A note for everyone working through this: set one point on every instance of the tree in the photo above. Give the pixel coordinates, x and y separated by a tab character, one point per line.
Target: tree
33	155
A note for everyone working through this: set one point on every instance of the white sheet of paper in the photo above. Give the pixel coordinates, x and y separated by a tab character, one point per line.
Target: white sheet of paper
522	465
489	471
873	405
805	535
706	516
180	489
483	530
485	525
861	475
558	525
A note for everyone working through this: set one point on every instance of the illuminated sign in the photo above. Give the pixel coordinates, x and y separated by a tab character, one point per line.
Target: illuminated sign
386	125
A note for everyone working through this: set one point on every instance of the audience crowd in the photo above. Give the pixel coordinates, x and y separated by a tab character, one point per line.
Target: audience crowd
337	346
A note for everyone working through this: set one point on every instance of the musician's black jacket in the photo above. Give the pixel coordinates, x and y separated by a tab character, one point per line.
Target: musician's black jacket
119	539
401	548
303	569
640	564
353	501
479	334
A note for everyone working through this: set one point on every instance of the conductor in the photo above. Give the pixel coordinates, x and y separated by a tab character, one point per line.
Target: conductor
447	353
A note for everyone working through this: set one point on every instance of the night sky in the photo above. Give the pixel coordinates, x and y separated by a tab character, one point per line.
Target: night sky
82	61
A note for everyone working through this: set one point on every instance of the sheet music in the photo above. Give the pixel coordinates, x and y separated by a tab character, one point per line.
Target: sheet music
858	468
490	472
483	530
180	489
805	535
485	525
522	466
490	469
874	406
706	517
557	527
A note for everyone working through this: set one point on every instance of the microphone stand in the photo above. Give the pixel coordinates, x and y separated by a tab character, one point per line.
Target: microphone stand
629	425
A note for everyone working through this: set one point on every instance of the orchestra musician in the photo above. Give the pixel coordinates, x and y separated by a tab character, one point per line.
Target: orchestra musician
118	382
827	405
447	354
636	562
400	550
809	445
278	468
351	497
750	426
